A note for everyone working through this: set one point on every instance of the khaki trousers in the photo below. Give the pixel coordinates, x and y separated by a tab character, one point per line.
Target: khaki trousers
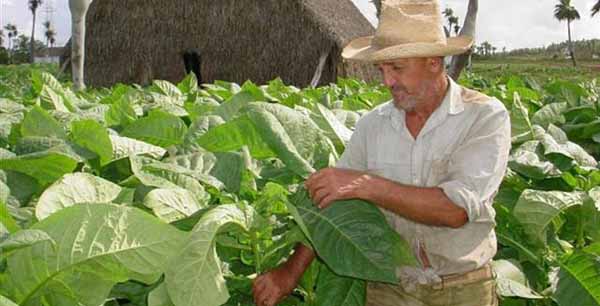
462	290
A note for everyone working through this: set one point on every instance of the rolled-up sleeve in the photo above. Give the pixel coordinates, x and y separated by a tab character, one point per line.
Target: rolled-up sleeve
478	166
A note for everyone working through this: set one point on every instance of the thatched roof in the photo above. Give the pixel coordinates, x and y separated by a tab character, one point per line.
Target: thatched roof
137	41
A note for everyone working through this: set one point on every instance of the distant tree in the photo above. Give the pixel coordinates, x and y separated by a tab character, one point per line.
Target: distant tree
22	49
12	33
33	6
565	11
596	8
1	38
50	34
456	29
448	12
452	22
377	4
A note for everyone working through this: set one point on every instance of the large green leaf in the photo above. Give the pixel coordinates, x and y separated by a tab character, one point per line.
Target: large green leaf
163	175
76	188
126	147
159	296
98	245
568	90
536	209
189	84
4	301
230	108
45	167
528	161
521	124
199	165
197	274
6	219
279	124
579	280
41	78
34	144
372	249
550	114
24	239
52	99
21	186
199	127
120	113
511	281
335	130
271	130
159	128
334	290
39	123
166	88
172	204
94	137
559	149
582	131
235	134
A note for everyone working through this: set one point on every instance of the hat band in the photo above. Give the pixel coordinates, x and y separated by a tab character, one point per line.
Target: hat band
382	42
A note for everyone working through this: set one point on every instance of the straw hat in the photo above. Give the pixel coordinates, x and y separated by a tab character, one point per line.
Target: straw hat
407	28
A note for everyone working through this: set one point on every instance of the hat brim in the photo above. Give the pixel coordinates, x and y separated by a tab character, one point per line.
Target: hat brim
361	49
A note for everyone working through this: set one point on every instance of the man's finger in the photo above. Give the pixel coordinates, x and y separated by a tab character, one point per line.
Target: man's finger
326	202
258	290
320	195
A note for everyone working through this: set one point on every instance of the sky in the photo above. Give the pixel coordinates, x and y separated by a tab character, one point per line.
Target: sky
507	23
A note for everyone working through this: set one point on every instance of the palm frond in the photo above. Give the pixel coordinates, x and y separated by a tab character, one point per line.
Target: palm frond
596	8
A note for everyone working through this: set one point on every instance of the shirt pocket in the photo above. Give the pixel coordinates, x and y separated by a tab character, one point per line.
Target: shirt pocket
439	169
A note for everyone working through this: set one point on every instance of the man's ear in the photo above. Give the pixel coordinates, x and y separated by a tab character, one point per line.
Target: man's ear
435	64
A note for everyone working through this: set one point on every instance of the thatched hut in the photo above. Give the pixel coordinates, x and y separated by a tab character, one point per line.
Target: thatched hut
134	41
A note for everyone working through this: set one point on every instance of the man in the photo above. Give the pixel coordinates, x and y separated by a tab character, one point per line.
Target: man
431	159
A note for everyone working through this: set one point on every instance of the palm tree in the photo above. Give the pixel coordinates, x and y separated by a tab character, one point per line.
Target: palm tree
377	4
50	34
12	33
565	11
456	25
596	8
33	6
449	14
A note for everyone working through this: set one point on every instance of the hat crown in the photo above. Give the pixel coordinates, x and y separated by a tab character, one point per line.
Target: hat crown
409	21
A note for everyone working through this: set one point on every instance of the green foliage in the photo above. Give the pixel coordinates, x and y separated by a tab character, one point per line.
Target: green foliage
178	195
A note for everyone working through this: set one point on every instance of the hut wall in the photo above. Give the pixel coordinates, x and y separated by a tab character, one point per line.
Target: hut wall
134	42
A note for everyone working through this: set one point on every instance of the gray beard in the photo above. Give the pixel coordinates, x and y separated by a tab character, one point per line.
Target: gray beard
408	105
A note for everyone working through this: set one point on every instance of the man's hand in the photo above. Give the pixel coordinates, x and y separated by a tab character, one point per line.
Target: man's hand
332	184
272	287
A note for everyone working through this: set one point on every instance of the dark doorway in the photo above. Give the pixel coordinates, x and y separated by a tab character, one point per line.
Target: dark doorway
193	61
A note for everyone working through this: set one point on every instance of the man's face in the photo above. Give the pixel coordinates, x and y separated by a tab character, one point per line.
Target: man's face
410	80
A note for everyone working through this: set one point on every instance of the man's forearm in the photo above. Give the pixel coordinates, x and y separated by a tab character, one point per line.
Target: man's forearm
421	204
300	260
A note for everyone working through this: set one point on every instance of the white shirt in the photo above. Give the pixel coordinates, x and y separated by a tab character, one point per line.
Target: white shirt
462	149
